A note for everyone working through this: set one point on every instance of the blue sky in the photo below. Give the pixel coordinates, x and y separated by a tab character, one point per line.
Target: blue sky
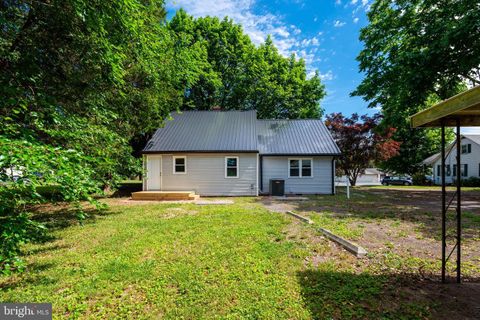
323	32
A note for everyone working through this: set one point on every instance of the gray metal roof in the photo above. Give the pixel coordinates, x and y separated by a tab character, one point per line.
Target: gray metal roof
240	131
295	137
474	137
204	131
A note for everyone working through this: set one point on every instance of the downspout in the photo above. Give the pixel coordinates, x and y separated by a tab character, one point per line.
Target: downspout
144	173
333	176
257	175
260	171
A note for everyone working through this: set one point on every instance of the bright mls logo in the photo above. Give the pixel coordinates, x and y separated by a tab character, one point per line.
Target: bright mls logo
37	311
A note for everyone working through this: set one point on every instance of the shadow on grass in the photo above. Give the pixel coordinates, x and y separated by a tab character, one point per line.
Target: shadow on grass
33	276
60	216
341	295
126	189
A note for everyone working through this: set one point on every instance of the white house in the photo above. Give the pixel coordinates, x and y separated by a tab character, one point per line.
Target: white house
370	177
231	153
469	160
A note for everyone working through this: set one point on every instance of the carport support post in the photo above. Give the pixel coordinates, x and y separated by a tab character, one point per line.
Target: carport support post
459	204
444	202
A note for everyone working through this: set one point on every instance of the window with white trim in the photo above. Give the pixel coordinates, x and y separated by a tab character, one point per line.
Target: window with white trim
300	168
180	165
467	148
231	167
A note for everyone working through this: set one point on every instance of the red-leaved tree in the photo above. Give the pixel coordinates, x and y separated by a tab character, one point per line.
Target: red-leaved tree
361	141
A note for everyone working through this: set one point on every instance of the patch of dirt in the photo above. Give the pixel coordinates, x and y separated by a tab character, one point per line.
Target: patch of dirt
408	224
170	213
276	205
322	250
383	236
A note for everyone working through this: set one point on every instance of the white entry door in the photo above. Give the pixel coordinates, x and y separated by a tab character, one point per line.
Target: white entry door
154	173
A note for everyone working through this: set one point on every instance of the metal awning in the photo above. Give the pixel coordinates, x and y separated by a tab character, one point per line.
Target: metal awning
462	110
464	107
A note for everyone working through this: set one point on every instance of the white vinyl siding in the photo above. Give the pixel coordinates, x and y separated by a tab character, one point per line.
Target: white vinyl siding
470	159
206	174
277	167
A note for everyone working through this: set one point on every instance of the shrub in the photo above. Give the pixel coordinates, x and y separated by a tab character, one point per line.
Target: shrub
471	182
43	173
420	180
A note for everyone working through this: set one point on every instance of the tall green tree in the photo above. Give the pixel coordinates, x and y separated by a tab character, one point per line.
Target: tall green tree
79	79
417	52
237	75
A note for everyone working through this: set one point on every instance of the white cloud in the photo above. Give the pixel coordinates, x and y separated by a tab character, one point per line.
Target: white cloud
326	76
295	29
281	31
355	20
257	26
338	23
364	2
307	42
354	2
286	37
311	73
338	2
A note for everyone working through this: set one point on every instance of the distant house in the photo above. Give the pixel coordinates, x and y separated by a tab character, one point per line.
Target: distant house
370	177
469	165
232	153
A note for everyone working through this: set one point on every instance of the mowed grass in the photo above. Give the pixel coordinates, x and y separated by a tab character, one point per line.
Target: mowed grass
169	261
420	188
142	260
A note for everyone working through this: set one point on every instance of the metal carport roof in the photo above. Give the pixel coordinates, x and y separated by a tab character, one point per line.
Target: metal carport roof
460	110
464	107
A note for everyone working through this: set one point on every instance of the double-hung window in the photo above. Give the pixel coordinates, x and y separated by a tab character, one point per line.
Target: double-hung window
299	168
231	167
180	165
467	148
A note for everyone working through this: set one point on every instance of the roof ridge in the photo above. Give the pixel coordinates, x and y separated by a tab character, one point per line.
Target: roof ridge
288	119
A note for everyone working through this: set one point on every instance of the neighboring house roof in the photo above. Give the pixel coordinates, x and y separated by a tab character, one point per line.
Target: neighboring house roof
434	158
474	137
203	131
240	131
295	137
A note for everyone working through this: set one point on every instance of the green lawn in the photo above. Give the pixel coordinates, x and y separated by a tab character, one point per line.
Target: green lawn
173	261
426	188
240	261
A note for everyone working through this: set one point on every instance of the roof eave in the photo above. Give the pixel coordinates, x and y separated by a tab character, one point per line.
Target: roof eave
196	151
300	154
464	107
